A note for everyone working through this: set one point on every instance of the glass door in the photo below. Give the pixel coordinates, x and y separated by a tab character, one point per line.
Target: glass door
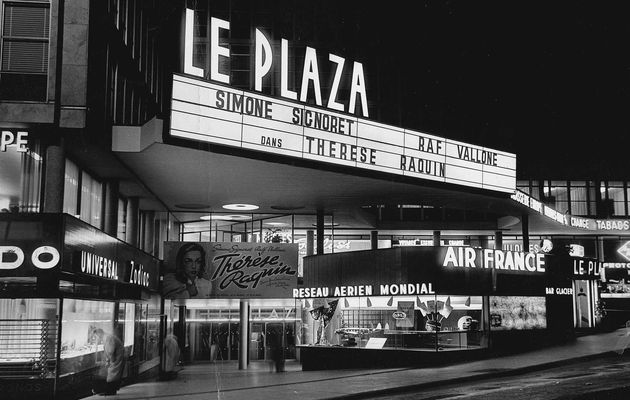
257	342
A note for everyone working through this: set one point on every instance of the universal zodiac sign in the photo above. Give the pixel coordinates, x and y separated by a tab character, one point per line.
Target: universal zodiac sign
325	313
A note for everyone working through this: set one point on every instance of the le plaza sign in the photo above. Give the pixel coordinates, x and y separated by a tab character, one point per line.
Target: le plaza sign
206	108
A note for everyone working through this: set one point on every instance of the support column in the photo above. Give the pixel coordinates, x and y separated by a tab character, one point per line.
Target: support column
147	229
374	240
54	179
110	219
131	234
243	339
310	242
525	230
498	245
436	238
498	240
320	232
483	241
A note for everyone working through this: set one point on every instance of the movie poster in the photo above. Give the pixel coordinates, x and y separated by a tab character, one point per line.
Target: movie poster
229	270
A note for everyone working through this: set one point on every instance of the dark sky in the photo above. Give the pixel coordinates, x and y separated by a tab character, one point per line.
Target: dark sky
547	80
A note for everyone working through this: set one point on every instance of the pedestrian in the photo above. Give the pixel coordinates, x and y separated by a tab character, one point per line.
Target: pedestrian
277	351
171	357
113	363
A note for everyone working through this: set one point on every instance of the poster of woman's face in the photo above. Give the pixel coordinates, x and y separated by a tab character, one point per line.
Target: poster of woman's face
186	274
229	270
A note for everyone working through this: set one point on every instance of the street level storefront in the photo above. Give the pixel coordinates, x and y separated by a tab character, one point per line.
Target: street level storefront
423	306
232	300
65	286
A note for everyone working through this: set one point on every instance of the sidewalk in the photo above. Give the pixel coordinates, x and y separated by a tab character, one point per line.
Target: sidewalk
224	381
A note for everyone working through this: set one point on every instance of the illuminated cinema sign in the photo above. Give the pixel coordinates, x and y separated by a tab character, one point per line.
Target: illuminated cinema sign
218	114
263	63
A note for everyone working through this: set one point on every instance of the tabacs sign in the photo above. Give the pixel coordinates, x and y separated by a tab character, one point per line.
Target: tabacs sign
216	113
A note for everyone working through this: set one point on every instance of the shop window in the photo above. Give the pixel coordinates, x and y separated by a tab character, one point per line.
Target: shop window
80	349
25	36
517	313
28	337
20	179
430	323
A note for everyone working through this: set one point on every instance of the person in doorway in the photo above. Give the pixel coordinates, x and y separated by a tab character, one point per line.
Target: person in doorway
274	338
113	361
171	357
189	280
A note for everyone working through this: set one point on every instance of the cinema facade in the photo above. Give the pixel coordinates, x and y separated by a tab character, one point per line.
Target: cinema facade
406	246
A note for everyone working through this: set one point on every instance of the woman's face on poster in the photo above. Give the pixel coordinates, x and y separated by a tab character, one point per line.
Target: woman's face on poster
192	263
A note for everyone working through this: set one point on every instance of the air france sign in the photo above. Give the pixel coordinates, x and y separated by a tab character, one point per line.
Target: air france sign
468	257
217	113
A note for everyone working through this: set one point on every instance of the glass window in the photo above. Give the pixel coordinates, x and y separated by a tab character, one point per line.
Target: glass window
616	193
122	218
91	200
523	186
517	313
579	198
25	35
86	204
28	332
71	189
80	348
558	191
20	179
413	322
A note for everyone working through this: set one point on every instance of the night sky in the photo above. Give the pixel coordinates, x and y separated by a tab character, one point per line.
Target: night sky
548	81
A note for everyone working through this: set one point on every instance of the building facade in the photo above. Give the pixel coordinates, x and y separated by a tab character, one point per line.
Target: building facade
129	127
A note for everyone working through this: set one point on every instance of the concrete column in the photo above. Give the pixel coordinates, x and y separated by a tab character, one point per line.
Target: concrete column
243	350
525	230
147	229
320	232
55	167
374	240
436	238
110	219
498	240
131	235
310	243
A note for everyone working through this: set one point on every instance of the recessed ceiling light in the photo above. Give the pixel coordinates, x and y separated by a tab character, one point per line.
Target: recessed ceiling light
241	207
328	225
224	217
276	223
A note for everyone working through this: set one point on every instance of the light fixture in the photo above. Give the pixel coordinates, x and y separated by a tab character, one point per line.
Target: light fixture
346	303
308	305
241	207
224	217
276	224
390	301
328	225
369	302
467	303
